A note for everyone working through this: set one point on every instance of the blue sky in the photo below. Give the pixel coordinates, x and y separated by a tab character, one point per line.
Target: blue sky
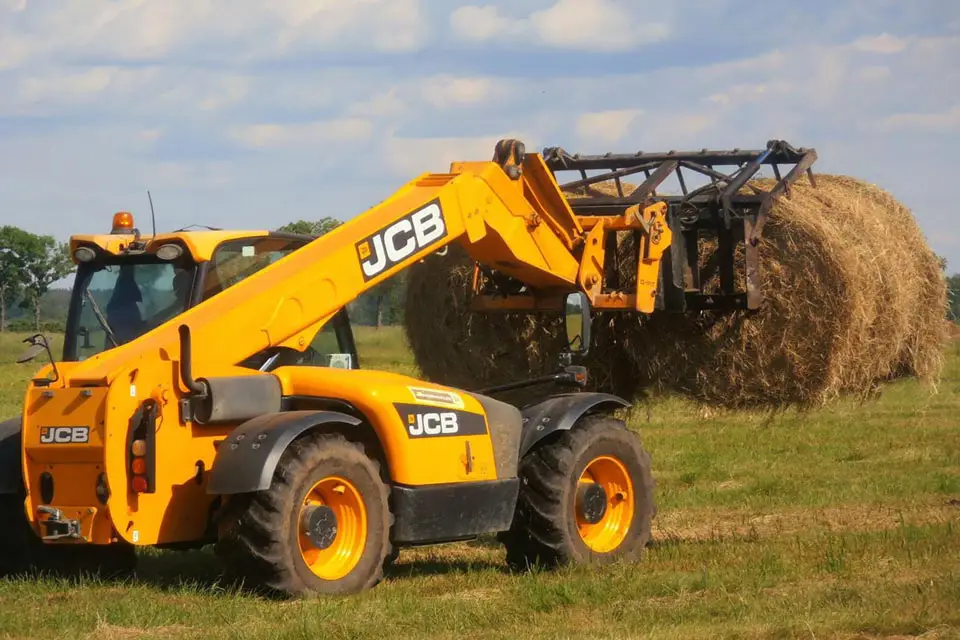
250	114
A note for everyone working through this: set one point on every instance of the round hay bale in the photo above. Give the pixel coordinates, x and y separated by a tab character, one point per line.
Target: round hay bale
853	297
455	346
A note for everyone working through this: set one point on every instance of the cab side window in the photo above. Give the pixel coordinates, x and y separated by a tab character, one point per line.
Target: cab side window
238	259
333	347
329	349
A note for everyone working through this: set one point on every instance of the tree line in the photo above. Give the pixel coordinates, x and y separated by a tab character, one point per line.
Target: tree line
31	263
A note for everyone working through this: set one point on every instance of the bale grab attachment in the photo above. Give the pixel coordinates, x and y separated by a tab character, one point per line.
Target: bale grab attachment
716	210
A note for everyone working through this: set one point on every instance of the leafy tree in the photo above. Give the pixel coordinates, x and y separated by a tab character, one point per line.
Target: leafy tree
953	293
383	304
45	262
15	245
307	228
943	262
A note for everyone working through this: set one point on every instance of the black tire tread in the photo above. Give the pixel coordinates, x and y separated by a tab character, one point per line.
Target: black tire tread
253	542
18	542
540	534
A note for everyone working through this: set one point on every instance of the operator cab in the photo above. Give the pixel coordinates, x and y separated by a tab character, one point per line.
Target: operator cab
124	289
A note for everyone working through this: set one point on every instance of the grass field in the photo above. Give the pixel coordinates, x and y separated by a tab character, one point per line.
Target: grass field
839	523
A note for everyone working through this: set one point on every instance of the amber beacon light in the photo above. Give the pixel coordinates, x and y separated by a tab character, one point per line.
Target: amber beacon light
122	222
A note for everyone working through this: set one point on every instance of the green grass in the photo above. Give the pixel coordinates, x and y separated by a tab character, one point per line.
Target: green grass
843	522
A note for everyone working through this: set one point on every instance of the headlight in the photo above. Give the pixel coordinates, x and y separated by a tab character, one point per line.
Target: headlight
84	254
169	252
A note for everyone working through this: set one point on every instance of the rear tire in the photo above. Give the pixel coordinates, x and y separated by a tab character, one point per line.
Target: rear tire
551	527
18	542
328	485
25	554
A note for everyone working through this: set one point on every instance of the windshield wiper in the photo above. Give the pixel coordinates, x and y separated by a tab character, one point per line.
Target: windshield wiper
100	317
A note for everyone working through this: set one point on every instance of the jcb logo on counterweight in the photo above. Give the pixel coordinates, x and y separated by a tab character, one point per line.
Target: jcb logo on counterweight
64	435
423	422
403	238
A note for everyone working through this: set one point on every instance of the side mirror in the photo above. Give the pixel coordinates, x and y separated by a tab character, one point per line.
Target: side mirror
38	344
576	310
31	352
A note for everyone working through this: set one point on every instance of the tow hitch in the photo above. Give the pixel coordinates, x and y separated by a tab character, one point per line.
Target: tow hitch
57	526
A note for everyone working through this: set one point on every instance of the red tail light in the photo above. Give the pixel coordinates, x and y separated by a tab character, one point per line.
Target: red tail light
141	449
138	484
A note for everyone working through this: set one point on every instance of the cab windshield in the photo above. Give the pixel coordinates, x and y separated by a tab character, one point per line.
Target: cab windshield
116	302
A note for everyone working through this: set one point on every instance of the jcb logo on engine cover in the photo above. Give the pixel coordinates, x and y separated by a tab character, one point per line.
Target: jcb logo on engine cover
426	422
403	238
64	435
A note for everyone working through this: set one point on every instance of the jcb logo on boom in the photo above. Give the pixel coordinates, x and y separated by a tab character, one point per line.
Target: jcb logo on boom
411	233
423	421
64	435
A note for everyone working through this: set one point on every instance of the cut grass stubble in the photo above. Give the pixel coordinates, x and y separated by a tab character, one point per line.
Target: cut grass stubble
835	523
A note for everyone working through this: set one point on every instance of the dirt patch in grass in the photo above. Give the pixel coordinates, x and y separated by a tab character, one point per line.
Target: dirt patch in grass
106	631
713	524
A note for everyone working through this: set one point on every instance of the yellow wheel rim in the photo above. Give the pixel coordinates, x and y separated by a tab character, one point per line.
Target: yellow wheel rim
335	547
610	531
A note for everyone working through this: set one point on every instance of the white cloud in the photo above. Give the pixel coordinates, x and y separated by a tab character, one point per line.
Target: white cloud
482	23
321	90
135	91
596	25
883	43
445	92
410	157
260	136
231	90
66	87
384	104
606	126
741	93
150	135
587	25
220	29
180	175
943	122
874	73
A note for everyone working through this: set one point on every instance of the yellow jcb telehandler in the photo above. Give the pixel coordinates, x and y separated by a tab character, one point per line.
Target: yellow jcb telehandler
209	390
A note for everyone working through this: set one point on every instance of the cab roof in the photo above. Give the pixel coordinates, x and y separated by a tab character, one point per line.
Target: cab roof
200	244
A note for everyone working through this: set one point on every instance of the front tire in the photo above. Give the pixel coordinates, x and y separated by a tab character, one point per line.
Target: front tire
323	525
586	496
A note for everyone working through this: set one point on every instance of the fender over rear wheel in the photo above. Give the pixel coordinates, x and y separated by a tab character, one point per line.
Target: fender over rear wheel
323	525
586	496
